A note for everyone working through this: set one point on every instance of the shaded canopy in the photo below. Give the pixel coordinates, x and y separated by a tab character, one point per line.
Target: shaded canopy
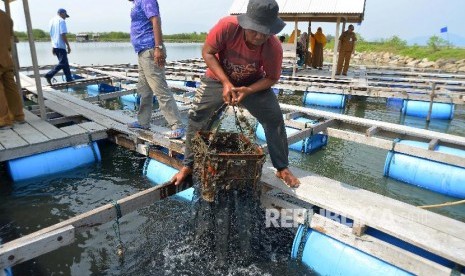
313	10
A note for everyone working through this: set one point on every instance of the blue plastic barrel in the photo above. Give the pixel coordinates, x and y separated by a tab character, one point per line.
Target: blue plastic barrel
324	99
160	173
396	103
192	84
52	162
307	145
436	176
134	98
443	111
328	256
94	89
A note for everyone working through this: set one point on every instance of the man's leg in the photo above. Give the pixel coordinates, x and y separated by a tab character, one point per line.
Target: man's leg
340	60
55	69
5	117
64	64
347	56
208	98
146	95
156	79
13	98
265	107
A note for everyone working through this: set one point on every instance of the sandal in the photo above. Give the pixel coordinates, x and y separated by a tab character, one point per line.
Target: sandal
177	133
137	125
288	178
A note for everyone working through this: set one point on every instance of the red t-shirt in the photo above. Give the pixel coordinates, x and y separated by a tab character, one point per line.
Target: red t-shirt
243	65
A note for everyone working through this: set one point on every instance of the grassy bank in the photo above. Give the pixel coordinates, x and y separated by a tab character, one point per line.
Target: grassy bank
436	49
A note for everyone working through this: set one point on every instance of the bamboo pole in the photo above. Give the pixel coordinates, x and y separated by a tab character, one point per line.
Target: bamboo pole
35	64
335	52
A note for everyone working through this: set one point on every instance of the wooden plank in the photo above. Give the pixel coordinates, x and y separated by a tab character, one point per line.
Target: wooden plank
10	139
391	254
66	112
45	128
435	233
92	126
401	148
433	144
13	253
74	129
93	218
108	118
371	131
400	129
111	95
29	134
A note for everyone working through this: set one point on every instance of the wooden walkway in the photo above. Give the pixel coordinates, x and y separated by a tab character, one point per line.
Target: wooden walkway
358	83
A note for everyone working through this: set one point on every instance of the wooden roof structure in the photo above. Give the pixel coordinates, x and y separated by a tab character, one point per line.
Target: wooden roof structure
351	11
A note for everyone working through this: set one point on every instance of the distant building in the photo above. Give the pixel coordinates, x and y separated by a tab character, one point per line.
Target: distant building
82	37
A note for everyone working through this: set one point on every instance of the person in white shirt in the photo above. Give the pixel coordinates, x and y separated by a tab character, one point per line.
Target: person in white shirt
60	46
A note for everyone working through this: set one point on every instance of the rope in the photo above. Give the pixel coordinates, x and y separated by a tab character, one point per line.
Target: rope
120	248
445	204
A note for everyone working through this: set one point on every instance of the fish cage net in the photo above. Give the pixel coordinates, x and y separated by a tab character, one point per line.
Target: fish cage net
226	160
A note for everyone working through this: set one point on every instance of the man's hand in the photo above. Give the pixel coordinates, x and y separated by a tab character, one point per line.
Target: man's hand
159	57
229	96
69	50
181	175
241	93
53	52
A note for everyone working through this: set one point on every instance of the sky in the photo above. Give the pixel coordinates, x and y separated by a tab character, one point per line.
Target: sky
409	19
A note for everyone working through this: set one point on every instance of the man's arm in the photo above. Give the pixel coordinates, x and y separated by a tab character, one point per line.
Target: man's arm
159	54
65	39
208	54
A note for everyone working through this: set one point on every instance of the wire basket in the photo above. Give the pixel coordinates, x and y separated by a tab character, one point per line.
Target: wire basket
226	160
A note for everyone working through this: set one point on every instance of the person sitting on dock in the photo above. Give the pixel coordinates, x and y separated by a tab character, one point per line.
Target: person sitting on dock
11	109
244	60
146	37
58	31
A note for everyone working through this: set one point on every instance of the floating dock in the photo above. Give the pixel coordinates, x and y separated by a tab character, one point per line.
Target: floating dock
72	121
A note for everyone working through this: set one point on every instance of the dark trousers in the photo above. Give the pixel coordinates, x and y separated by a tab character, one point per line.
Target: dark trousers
262	105
62	56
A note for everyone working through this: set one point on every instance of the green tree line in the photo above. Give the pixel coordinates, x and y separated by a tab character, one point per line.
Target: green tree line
436	48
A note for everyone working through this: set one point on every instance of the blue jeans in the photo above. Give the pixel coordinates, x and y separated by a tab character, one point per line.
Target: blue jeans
62	56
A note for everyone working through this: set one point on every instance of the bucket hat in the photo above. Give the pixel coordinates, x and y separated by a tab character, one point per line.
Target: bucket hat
262	17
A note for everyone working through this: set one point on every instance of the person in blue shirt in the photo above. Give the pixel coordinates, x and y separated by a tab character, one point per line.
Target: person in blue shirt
60	46
147	40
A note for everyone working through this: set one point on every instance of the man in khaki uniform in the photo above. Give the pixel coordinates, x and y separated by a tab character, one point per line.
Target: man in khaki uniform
11	109
346	48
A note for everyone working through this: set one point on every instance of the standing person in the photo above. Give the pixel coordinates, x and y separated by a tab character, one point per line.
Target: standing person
244	60
11	109
302	48
317	42
346	48
147	39
60	45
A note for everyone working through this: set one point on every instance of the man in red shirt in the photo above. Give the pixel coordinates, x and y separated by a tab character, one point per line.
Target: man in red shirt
244	60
